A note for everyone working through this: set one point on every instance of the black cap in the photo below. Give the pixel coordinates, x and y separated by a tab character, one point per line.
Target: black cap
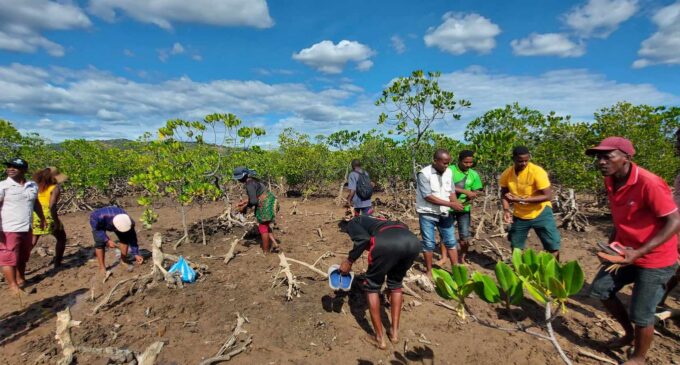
19	163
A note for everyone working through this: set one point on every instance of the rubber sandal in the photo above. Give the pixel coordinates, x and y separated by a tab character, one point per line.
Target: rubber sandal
334	277
346	281
614	259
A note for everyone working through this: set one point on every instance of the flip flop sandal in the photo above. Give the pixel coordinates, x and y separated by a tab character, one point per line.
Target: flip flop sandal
614	259
607	249
334	277
346	281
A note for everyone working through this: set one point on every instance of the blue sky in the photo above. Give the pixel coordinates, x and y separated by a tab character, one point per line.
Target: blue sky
101	69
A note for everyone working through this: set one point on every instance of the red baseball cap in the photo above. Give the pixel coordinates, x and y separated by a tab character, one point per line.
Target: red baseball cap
611	144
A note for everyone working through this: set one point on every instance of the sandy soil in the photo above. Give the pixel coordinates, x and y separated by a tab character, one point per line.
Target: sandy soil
316	327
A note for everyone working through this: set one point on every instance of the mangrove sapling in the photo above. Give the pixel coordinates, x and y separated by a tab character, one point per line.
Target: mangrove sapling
546	280
456	285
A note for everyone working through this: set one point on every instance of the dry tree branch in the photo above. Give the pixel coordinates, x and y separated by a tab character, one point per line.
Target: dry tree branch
69	349
230	343
288	277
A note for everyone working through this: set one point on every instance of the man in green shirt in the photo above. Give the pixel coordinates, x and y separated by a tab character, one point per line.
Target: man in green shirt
468	185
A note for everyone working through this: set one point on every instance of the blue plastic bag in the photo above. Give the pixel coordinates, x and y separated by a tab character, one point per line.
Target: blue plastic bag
186	272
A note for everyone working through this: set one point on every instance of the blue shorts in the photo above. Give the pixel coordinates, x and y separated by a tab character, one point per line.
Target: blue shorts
463	222
444	225
649	286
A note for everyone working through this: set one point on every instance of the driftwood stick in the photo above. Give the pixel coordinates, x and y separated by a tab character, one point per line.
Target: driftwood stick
148	357
410	291
228	356
478	231
108	297
325	275
230	254
63	336
230	343
495	247
598	358
289	278
325	255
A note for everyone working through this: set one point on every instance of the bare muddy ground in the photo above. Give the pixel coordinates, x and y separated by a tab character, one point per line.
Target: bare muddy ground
316	327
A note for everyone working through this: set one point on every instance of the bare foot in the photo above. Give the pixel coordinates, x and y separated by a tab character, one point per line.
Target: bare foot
377	342
635	361
393	336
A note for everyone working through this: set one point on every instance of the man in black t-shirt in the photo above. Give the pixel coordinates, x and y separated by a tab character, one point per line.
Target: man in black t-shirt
391	250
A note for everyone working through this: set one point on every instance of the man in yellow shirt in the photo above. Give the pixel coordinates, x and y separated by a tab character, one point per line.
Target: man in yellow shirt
526	186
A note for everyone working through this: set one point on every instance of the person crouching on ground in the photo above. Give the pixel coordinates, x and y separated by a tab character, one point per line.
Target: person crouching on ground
646	221
392	248
265	204
116	220
49	190
18	199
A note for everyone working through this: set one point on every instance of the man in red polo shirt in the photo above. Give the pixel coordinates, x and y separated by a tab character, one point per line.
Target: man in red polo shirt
646	222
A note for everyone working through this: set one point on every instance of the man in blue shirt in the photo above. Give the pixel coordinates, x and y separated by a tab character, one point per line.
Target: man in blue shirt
116	220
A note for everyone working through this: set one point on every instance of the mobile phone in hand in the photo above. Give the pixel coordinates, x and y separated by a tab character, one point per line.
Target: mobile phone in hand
619	248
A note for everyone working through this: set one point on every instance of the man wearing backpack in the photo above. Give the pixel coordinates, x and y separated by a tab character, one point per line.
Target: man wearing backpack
360	190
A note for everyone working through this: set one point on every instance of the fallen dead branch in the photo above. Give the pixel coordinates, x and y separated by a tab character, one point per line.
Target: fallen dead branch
230	254
285	275
495	247
585	353
230	343
69	349
113	290
311	267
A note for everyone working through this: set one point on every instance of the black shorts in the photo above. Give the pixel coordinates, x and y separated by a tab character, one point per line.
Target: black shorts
391	254
128	238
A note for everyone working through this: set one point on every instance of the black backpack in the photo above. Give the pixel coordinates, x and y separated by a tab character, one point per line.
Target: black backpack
364	189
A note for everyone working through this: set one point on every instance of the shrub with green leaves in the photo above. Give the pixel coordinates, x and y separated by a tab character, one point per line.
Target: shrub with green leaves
540	274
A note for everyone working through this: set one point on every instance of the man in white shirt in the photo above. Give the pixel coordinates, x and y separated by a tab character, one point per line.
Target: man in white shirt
17	204
435	196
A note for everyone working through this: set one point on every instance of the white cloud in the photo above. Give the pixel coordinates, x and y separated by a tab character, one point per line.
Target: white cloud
176	49
94	104
548	44
460	33
270	72
663	47
253	13
22	22
575	92
106	106
128	53
398	44
599	18
331	58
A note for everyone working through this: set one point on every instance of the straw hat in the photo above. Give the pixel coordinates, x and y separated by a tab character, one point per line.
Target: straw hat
57	175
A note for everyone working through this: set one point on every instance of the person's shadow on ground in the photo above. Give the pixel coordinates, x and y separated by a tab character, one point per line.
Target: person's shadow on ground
16	324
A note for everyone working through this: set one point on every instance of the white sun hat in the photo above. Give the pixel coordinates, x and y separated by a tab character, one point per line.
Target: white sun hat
122	222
